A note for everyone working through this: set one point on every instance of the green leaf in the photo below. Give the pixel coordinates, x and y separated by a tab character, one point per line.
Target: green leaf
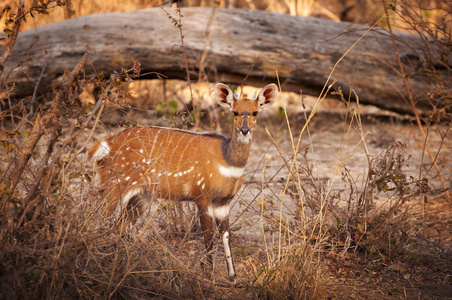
160	106
173	105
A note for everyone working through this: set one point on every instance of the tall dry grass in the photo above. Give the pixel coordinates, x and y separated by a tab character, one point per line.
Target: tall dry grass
56	244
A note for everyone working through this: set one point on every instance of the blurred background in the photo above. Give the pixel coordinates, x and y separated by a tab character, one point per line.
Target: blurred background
433	13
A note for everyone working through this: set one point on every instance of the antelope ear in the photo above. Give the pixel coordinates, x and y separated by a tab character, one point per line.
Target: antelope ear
267	96
224	95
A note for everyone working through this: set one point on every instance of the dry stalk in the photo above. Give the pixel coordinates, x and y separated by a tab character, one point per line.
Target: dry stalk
178	24
11	40
410	97
39	129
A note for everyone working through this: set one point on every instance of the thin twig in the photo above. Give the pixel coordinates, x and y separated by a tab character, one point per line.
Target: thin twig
178	24
33	98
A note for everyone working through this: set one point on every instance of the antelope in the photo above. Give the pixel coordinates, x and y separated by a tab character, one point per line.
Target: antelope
174	164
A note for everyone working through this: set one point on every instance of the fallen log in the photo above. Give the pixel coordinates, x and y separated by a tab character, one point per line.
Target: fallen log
227	45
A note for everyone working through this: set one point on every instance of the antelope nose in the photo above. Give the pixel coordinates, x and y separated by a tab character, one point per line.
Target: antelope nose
244	131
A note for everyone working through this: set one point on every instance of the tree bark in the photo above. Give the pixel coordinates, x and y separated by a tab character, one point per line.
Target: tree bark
236	43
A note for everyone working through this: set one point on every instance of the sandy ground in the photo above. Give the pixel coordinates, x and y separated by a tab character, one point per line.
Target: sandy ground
329	154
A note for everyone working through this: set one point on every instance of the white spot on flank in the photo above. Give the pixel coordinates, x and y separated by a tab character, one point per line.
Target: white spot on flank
199	182
169	174
231	171
133	183
127	178
203	186
143	160
102	151
128	148
210	175
179	174
141	151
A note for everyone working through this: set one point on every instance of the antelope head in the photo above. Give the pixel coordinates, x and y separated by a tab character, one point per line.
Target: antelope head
245	110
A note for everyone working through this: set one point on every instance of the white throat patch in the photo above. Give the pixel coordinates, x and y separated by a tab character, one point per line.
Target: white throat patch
244	139
231	171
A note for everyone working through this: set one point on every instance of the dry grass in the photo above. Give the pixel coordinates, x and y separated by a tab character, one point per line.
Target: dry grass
57	244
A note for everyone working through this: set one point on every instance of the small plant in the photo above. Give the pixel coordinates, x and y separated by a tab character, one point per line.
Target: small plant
377	219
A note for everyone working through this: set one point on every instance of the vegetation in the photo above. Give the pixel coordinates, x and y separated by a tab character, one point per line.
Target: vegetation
298	235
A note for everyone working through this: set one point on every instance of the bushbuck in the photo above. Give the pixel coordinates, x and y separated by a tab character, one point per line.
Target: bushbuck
179	165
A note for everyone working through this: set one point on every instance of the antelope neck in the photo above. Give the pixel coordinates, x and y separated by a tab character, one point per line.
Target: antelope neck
235	152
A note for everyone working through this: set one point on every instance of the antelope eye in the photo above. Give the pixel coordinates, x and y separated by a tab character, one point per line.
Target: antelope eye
255	114
235	113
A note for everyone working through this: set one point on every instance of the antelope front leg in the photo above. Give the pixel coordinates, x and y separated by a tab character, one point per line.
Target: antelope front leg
206	227
223	225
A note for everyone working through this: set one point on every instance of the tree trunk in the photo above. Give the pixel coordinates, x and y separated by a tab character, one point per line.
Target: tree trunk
227	44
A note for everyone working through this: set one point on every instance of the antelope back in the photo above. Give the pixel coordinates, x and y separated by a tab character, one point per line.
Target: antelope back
164	161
